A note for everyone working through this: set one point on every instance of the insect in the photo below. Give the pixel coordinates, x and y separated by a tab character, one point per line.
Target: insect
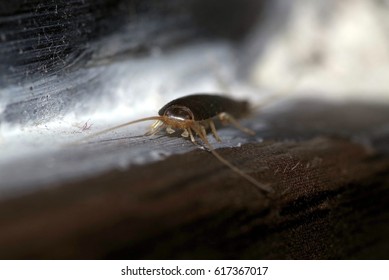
193	115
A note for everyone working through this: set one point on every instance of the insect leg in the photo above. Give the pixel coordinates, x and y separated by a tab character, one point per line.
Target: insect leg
191	136
214	132
155	127
170	130
185	133
203	132
225	117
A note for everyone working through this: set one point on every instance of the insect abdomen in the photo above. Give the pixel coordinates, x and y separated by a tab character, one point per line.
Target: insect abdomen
206	106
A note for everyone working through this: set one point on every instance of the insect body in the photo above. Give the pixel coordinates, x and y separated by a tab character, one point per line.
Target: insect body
197	112
192	115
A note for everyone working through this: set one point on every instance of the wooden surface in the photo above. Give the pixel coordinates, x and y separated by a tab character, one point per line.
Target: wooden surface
327	163
330	202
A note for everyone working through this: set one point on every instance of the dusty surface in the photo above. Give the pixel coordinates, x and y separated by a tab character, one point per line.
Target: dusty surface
331	188
70	68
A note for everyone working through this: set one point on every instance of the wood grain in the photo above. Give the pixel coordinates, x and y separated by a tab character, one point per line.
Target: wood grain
329	202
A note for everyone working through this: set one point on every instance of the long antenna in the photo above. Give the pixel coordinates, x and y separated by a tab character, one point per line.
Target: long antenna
260	186
119	126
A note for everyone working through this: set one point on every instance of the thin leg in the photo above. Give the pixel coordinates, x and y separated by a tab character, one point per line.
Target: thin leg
224	117
203	132
214	132
170	130
185	133
155	127
191	136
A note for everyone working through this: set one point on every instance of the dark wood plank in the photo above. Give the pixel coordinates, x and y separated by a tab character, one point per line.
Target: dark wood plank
330	201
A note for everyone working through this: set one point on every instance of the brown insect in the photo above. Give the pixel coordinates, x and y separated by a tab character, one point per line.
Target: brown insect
194	115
